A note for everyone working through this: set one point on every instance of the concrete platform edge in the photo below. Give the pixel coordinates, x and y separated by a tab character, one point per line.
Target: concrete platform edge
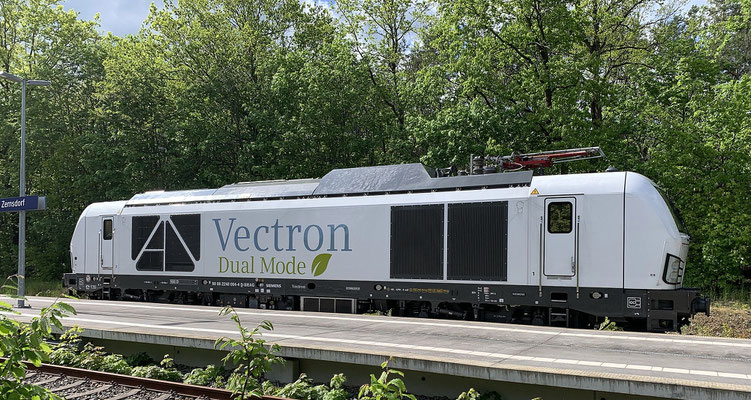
453	366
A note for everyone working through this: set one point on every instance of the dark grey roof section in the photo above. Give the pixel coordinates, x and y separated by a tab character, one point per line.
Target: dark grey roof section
270	189
409	178
339	182
380	179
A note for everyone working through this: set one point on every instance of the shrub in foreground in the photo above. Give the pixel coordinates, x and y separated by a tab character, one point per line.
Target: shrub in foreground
209	376
164	371
25	342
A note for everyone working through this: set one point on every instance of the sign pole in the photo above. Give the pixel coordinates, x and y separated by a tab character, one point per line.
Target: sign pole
20	204
22	213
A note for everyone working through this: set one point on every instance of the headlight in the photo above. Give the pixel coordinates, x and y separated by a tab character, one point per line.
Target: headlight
673	270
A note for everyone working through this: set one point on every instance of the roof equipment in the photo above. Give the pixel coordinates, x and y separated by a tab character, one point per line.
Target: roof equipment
515	162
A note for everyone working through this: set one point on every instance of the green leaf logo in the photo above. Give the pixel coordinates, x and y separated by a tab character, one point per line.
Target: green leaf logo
320	263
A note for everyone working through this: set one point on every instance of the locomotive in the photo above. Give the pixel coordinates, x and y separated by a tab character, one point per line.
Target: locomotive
560	250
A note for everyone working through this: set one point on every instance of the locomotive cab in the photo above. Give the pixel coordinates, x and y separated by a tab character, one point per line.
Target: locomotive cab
93	247
656	256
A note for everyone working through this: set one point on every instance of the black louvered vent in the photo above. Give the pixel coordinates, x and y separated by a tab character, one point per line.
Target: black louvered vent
417	242
478	241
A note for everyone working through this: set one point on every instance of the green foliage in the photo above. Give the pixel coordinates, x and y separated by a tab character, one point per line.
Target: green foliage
211	92
608	325
209	376
473	394
44	288
25	342
249	354
156	372
139	360
385	388
116	364
164	371
337	391
95	358
238	382
68	352
303	389
299	389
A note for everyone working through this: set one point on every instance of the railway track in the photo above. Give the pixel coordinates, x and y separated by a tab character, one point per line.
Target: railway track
81	384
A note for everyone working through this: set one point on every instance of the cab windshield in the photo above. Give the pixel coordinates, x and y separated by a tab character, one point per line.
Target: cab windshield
676	216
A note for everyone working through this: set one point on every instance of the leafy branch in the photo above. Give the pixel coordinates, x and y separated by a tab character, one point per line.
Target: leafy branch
252	358
24	342
384	388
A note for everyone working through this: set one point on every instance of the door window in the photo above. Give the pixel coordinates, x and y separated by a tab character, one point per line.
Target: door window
107	229
560	217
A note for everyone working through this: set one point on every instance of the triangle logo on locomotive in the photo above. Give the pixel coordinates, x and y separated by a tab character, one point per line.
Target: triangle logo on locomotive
166	243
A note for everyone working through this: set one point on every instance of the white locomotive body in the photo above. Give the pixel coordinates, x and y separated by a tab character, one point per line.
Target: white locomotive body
563	249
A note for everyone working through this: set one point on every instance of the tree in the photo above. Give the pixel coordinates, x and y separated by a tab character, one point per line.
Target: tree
42	41
384	34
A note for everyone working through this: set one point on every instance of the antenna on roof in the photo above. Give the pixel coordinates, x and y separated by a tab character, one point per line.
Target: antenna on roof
488	164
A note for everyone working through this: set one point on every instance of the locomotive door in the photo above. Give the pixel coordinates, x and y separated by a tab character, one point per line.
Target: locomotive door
560	237
106	247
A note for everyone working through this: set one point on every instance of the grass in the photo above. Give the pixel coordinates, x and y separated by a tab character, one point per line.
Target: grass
735	297
730	314
730	319
37	287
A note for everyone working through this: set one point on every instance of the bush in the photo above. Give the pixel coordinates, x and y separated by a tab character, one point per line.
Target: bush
237	382
249	353
337	388
165	371
140	360
209	376
384	388
91	357
25	342
609	325
116	364
66	351
302	389
472	394
95	358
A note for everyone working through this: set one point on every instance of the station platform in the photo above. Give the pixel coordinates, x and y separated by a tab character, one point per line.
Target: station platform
439	356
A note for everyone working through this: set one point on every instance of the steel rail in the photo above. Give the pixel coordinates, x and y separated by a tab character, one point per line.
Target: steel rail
146	383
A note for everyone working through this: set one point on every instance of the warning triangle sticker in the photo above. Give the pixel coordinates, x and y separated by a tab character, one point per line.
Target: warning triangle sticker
534	191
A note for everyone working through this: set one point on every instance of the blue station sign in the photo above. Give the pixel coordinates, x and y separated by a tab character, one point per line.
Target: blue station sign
28	203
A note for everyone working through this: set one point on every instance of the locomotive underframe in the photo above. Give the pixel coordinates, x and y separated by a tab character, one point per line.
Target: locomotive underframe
652	310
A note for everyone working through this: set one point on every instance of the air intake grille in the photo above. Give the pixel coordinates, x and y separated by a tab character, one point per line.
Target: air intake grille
417	242
478	241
